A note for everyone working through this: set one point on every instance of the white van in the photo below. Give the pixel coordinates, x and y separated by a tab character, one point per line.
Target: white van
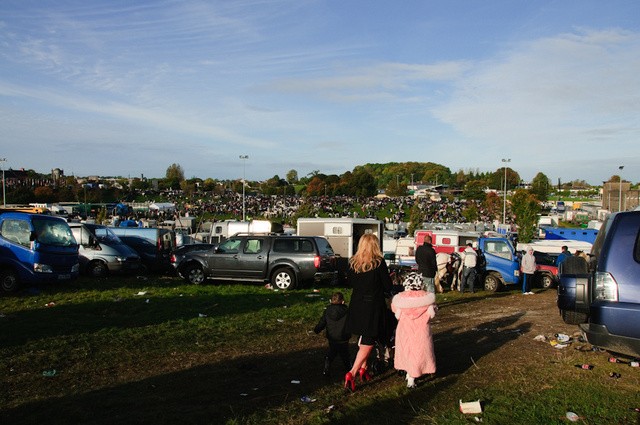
101	252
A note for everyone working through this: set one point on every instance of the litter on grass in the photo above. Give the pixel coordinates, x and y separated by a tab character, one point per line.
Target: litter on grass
49	373
142	293
295	381
307	399
470	407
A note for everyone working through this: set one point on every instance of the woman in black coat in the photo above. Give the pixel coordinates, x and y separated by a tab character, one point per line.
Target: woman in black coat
369	277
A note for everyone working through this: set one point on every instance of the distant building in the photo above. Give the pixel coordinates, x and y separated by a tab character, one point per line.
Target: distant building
618	196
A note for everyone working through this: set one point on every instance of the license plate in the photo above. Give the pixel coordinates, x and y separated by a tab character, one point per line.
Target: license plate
64	277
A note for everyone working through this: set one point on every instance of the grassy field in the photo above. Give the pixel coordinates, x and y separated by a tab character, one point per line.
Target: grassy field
154	350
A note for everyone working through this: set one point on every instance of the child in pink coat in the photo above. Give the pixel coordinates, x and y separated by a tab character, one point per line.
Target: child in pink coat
414	308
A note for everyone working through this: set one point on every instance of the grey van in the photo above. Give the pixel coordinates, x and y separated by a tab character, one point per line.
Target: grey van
101	252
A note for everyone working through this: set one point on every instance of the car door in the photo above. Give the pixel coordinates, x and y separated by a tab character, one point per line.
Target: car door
253	258
224	261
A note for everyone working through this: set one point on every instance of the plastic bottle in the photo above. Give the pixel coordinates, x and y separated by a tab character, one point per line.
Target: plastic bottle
584	366
634	364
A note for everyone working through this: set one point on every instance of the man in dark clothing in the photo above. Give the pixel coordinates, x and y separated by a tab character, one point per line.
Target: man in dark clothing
427	266
564	254
334	319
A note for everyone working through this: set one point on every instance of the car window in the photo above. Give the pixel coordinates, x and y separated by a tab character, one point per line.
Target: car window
231	246
17	231
324	246
498	248
253	246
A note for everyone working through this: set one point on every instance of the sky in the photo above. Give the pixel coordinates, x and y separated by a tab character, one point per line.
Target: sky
128	88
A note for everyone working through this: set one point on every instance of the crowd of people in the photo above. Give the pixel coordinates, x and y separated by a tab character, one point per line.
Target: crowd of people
285	207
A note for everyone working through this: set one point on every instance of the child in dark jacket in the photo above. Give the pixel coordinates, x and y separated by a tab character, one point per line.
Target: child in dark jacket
334	319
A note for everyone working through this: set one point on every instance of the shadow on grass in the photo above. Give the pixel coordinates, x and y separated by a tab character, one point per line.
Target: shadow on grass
260	388
131	311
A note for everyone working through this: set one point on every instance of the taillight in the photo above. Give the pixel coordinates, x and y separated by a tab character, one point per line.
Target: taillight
160	243
316	261
606	288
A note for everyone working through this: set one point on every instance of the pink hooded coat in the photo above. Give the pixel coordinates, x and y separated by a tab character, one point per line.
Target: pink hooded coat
414	343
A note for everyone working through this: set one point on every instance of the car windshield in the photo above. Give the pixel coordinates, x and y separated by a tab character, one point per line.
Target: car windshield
53	232
106	236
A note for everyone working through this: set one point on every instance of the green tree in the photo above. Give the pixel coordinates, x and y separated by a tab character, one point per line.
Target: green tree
292	176
175	172
474	190
540	187
525	208
416	217
470	213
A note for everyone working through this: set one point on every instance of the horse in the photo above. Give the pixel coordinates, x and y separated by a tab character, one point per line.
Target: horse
448	267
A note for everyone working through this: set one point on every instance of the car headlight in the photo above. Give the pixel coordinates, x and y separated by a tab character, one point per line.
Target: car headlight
42	268
606	288
75	268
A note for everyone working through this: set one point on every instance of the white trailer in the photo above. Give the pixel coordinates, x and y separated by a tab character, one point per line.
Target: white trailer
342	233
222	230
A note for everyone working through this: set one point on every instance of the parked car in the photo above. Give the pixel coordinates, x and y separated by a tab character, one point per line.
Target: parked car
153	245
101	252
546	270
603	295
284	260
179	253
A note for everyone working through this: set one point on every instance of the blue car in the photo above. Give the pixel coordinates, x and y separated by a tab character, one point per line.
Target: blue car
603	295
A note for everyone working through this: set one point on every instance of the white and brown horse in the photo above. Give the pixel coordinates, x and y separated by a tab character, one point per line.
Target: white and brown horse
449	270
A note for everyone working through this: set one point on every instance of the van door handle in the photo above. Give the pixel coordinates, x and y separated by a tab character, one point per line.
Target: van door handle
259	257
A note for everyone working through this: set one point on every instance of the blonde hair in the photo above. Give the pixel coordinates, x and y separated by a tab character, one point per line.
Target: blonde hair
369	256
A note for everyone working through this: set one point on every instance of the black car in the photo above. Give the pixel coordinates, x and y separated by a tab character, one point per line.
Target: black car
284	260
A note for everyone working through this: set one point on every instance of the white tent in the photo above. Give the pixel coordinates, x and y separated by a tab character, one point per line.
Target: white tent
165	207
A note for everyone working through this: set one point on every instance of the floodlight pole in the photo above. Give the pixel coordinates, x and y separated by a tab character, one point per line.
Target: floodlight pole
4	198
244	167
620	189
504	198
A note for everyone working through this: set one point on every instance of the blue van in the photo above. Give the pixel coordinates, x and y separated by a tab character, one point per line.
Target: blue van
35	248
603	295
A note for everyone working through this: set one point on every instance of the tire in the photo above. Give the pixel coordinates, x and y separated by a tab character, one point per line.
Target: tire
9	281
97	269
194	274
284	279
492	283
546	281
573	317
574	265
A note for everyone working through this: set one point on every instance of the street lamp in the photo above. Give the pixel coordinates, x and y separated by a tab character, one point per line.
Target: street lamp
4	199
504	199
620	188
244	167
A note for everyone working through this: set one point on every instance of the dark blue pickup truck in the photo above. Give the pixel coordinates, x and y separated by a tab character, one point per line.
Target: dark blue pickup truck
602	296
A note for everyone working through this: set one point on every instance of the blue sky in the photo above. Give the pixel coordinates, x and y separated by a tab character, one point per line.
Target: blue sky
127	88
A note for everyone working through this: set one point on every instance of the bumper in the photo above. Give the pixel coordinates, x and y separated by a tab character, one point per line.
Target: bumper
599	335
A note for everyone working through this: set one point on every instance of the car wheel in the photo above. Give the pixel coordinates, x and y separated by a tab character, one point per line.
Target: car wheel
284	279
573	317
97	269
546	281
492	283
9	281
194	274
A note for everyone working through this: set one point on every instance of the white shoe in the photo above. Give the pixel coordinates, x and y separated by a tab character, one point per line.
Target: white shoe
530	293
411	383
